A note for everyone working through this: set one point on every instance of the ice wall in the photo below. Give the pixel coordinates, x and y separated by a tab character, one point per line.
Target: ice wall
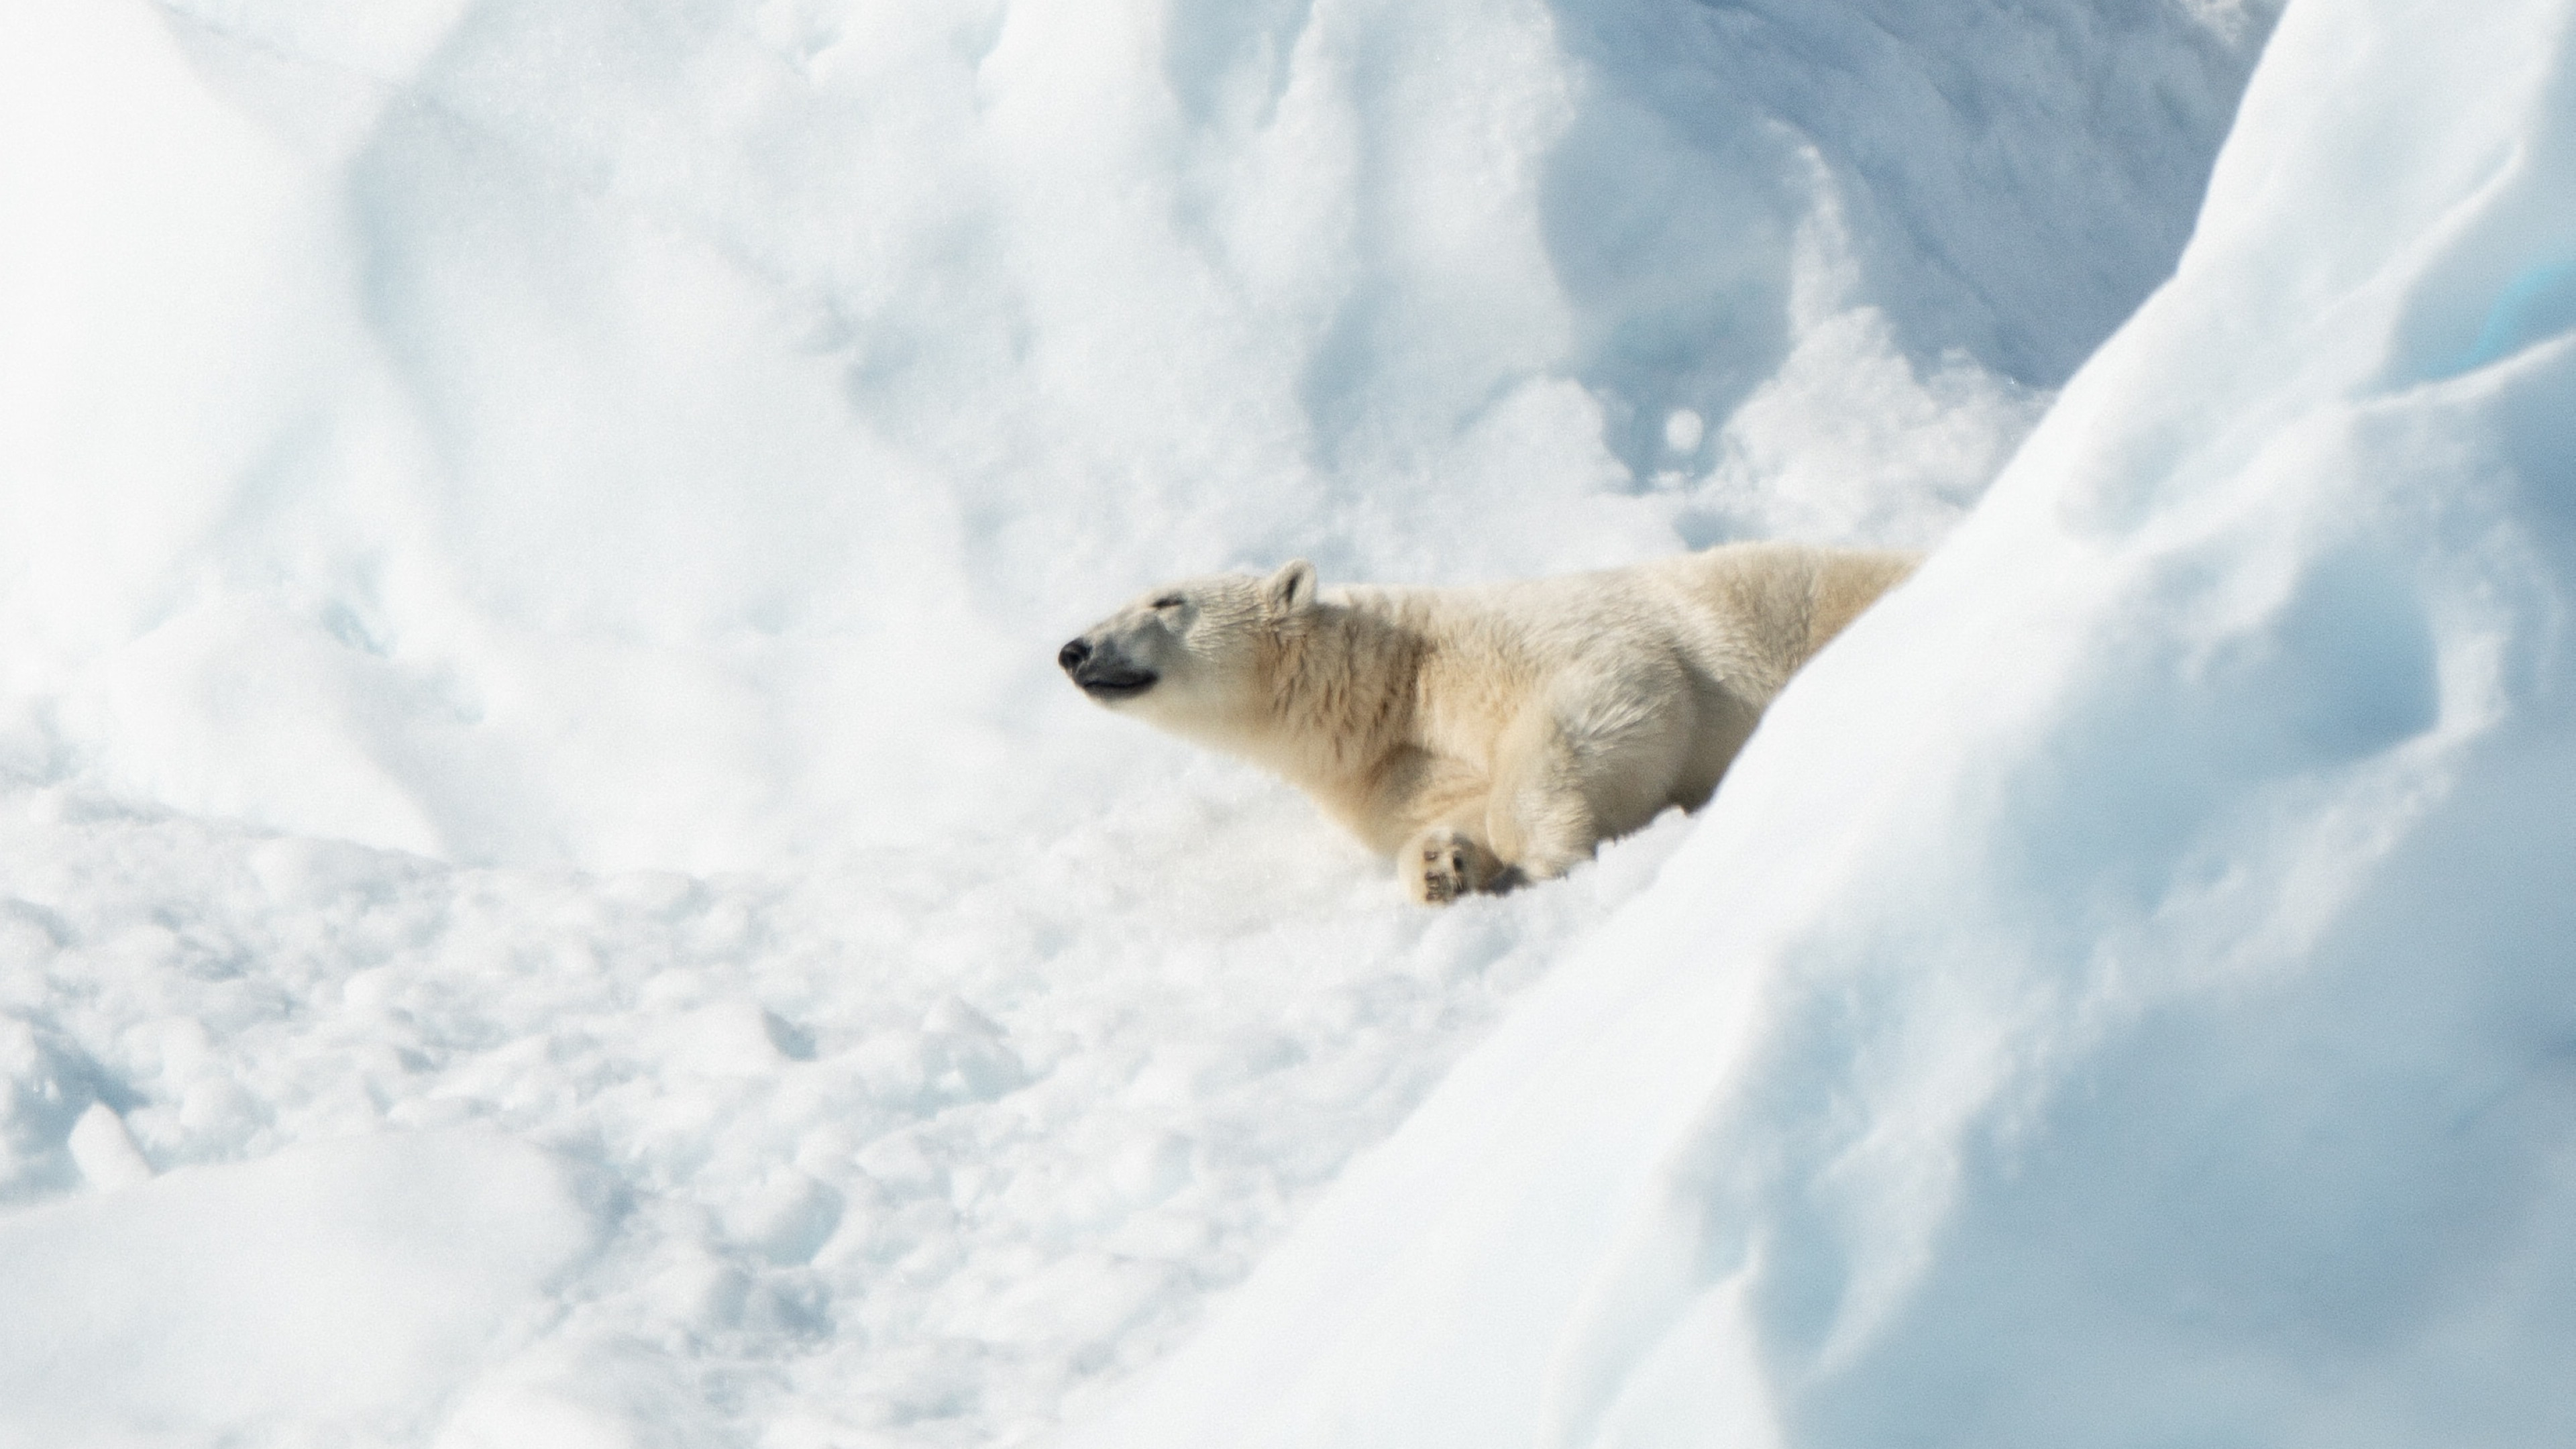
2122	996
675	435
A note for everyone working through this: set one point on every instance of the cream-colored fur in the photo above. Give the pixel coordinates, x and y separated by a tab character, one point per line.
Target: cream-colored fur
1493	734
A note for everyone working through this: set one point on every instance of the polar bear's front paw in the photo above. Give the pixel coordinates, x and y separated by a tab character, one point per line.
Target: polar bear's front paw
1443	864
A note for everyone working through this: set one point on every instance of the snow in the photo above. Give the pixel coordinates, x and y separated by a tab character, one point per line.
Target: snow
550	893
901	1148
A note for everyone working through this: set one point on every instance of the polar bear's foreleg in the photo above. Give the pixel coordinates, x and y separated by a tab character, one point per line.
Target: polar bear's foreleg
1443	863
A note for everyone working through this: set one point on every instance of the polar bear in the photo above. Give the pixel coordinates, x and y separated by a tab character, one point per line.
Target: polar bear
1489	735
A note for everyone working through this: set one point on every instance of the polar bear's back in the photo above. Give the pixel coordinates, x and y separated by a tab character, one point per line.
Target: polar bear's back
1748	613
1745	615
1779	603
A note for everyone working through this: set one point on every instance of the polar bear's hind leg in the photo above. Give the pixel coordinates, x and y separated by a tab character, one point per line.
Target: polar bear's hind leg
1583	767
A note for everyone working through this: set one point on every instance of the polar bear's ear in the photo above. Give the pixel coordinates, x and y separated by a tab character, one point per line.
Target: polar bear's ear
1292	588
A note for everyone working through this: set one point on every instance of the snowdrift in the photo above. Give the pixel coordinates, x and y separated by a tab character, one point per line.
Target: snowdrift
2122	996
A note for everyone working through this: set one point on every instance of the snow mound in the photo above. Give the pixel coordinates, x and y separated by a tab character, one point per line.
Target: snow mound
2121	996
334	1291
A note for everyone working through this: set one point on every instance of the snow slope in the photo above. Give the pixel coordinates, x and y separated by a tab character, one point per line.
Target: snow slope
2123	996
549	892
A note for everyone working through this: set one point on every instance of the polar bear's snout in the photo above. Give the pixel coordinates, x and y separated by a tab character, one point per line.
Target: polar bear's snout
1102	671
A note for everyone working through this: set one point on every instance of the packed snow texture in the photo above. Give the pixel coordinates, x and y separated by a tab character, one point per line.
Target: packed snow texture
549	892
2123	996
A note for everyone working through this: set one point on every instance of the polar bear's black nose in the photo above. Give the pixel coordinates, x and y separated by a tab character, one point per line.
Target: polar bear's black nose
1070	657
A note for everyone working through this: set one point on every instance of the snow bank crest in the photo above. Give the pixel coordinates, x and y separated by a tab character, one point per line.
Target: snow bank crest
2119	994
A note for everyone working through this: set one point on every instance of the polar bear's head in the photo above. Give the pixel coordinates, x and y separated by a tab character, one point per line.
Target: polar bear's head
1191	656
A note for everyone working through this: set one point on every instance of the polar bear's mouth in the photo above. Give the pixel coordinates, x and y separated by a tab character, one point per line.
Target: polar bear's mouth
1103	671
1116	683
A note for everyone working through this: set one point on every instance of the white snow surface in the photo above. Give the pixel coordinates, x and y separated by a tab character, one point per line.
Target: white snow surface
2124	994
550	893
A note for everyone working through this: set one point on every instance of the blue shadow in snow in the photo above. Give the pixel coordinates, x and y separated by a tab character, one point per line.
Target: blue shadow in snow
2539	303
